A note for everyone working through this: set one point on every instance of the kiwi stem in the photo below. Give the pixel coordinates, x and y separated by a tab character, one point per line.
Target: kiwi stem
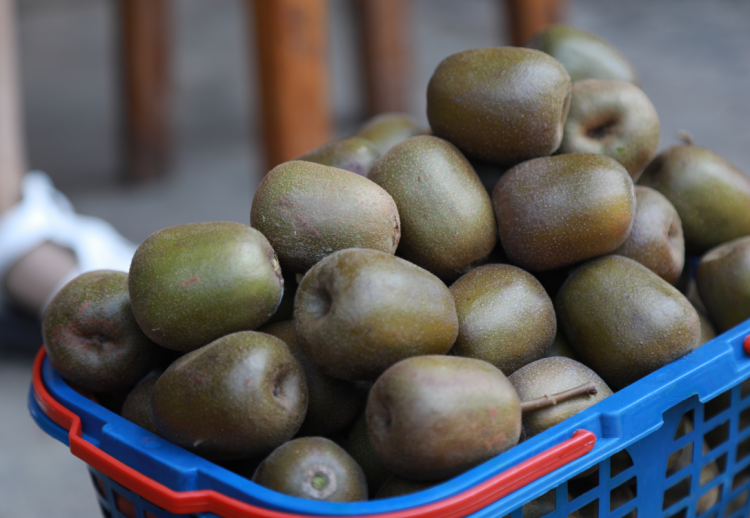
546	401
686	137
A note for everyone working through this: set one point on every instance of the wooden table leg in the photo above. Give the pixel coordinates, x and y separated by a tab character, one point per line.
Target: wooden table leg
144	40
527	17
295	104
12	146
384	25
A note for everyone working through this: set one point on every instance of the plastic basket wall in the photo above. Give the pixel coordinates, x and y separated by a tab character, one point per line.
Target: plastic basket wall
674	444
710	479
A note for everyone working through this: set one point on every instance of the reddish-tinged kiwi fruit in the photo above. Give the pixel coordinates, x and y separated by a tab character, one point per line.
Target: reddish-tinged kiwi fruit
550	376
332	404
433	417
656	239
504	317
237	397
723	279
613	118
710	194
137	406
359	311
192	284
314	468
584	55
358	445
624	321
308	211
556	211
388	129
446	214
355	154
397	486
500	105
91	336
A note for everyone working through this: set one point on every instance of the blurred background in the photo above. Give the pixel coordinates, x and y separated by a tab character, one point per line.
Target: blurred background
693	58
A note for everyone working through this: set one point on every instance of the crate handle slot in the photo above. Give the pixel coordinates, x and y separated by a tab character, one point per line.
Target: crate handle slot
186	502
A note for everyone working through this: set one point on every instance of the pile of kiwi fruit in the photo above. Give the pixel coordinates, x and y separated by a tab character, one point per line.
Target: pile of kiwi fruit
409	302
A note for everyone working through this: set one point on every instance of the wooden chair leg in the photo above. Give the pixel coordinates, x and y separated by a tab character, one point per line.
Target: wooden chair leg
295	105
144	40
384	26
527	17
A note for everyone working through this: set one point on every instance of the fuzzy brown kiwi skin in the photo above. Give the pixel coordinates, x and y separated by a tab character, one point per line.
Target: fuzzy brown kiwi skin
92	337
551	376
308	211
358	445
238	397
500	105
314	468
433	417
612	118
359	311
711	195
623	320
137	406
560	210
355	154
708	332
561	347
385	130
448	225
333	404
656	239
583	54
505	317
191	284
723	277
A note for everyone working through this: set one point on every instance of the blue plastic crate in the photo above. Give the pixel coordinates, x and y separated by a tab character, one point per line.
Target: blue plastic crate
637	430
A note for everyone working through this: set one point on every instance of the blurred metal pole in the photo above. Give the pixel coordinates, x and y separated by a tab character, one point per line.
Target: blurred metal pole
146	79
295	104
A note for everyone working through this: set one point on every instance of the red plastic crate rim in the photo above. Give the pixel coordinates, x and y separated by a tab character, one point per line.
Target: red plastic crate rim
456	506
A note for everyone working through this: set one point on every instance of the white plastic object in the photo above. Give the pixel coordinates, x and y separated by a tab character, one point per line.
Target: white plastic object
45	214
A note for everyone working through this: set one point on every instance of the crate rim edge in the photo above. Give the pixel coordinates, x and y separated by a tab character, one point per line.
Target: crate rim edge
184	502
727	352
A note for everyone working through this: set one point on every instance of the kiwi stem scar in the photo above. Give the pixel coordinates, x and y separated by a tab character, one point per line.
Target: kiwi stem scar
319	482
547	401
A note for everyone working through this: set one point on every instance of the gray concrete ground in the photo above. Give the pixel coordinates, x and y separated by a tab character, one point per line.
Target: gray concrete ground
693	57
